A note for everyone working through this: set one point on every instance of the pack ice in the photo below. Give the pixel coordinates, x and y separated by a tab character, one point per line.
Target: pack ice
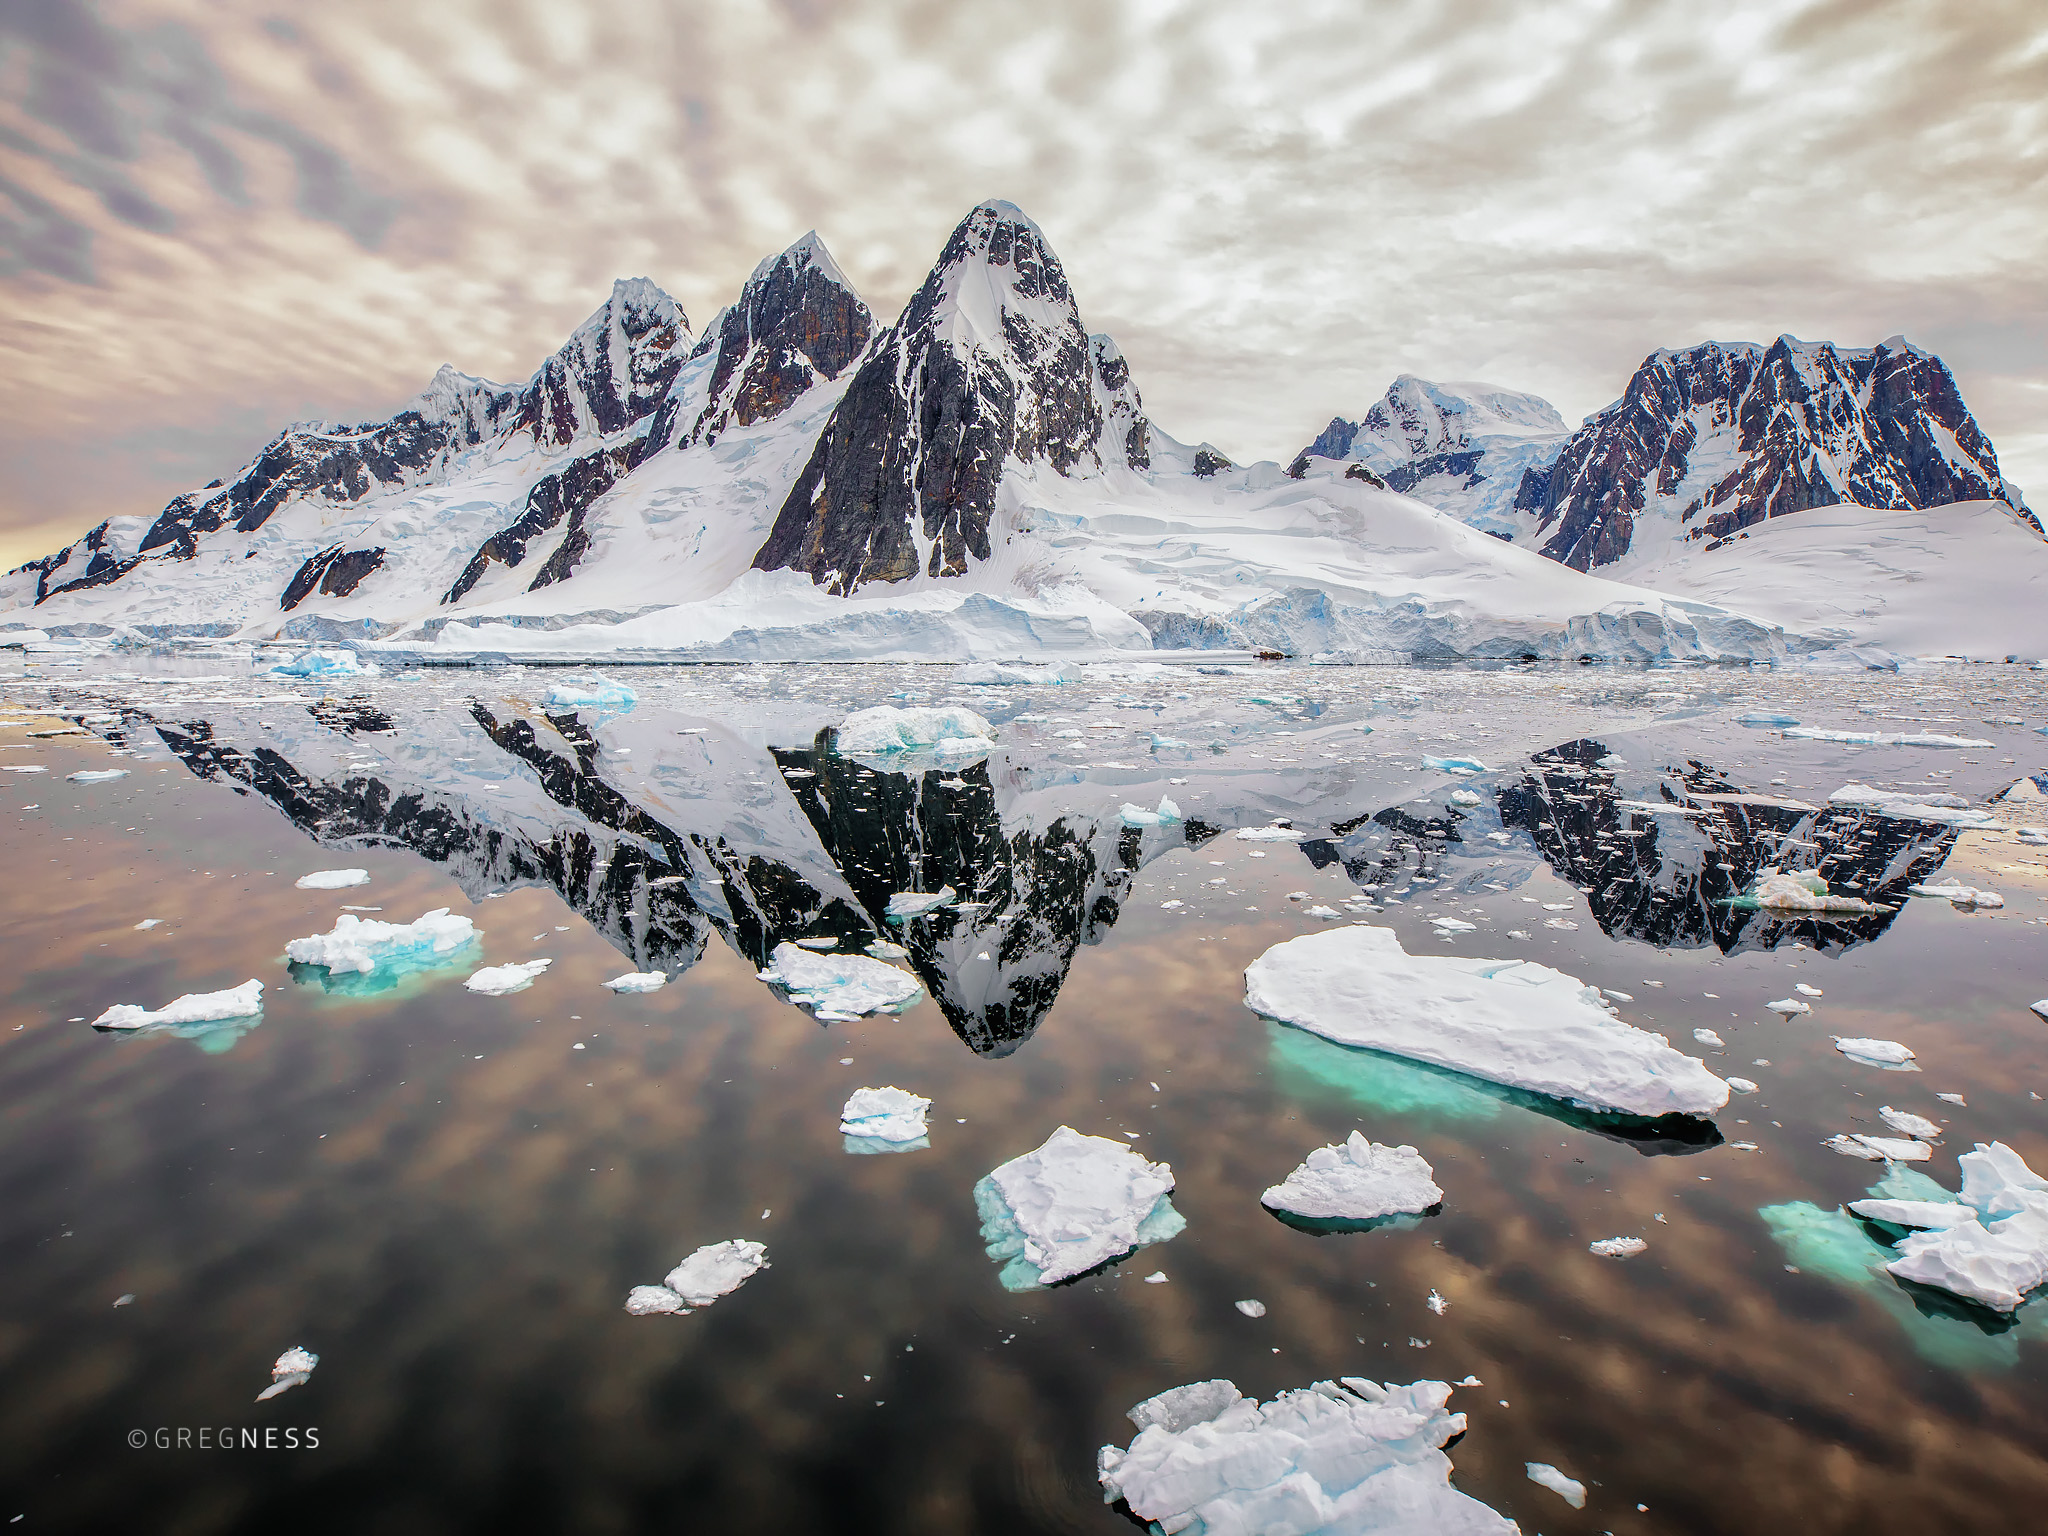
884	729
1072	1205
362	944
884	1114
1990	1245
241	1002
1357	1180
1340	1458
1508	1021
715	1270
839	987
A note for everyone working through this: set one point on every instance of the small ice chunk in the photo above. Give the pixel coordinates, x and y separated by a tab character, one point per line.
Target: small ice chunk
822	943
1452	925
653	1300
2041	1007
886	1114
1708	1037
1617	1247
497	980
1953	1098
1959	895
1891	1149
1879	1053
1909	1124
906	904
716	1270
1322	913
1789	1007
148	923
332	879
1437	1303
1357	1180
1805	991
948	731
290	1370
839	987
245	1001
1168	815
1465	797
601	694
1741	1084
1798	891
638	981
1269	835
1157	1277
126	1298
1252	1307
362	944
882	949
1571	1490
1619	997
1074	1203
1455	764
96	775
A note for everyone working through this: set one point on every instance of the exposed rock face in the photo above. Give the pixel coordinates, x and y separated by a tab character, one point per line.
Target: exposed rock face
989	365
567	493
612	371
335	572
1708	441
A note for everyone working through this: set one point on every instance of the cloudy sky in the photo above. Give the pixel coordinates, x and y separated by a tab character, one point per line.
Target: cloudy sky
217	216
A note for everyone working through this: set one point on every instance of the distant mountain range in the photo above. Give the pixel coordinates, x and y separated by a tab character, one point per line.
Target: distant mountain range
980	478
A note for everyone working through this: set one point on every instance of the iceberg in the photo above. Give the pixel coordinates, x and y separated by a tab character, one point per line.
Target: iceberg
884	1114
1876	1053
1799	890
1168	815
905	904
715	1270
1507	1021
604	694
1343	1458
1948	810
325	664
1073	1205
1991	1246
290	1370
332	879
362	945
948	731
497	980
839	987
638	981
245	1001
1357	1181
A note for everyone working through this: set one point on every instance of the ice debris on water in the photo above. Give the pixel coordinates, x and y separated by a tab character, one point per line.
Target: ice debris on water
947	731
1990	1245
245	1001
884	1114
362	944
1907	1123
638	981
1617	1247
839	987
1570	1489
1741	1084
1949	810
1883	738
1157	1277
497	980
1789	1006
1876	1053
1437	1303
2040	1007
332	879
1269	835
1455	764
1964	896
1357	1180
1709	1038
1339	1458
96	775
1509	1021
290	1370
1805	991
1074	1204
1766	717
1875	1149
905	904
1167	815
1465	797
882	949
317	663
715	1270
1251	1307
1953	1098
1800	890
602	694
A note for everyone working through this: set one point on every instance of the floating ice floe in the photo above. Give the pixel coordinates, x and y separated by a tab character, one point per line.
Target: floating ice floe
362	944
947	731
638	981
497	980
1949	810
1790	1007
1465	797
1882	738
1873	1149
715	1270
905	904
245	1001
291	1369
1508	1021
1617	1247
1455	764
1005	674
332	879
1570	1489
603	694
1876	1053
1907	1123
1989	1246
1805	991
1251	1307
1800	890
96	775
1449	925
1269	835
1709	1038
1357	1180
882	949
1168	815
1354	1457
839	987
1071	1206
325	664
1767	718
1959	895
884	1114
2041	1007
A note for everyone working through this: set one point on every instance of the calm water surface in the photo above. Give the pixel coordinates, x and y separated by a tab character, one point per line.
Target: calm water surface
447	1200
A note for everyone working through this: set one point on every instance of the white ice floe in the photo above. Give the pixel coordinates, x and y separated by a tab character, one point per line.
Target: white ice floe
638	981
1708	1037
1799	890
332	879
1907	1123
1344	1459
1873	1149
1357	1180
1741	1084
882	949
1949	810
362	944
1074	1204
1790	1007
1805	991
1438	1302
1508	1021
1959	895
2041	1007
1990	1246
1766	717
948	731
1465	797
290	1370
1570	1489
1251	1306
885	1114
245	1001
148	923
1168	815
1455	764
1452	925
497	980
1269	835
1617	1247
602	694
1877	1053
840	987
715	1270
1883	738
96	775
325	664
916	903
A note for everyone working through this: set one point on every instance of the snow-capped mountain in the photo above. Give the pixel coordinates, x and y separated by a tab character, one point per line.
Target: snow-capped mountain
1462	448
1716	438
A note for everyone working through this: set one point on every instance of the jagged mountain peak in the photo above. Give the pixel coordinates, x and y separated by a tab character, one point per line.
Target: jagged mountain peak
612	371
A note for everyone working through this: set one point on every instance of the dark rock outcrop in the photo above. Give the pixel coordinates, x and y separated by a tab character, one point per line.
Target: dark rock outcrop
335	571
612	372
567	493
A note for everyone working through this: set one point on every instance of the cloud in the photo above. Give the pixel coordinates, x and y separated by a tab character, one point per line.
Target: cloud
1275	209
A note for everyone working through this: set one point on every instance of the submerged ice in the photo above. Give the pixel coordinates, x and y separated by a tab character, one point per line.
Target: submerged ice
884	1114
1988	1245
1074	1204
362	945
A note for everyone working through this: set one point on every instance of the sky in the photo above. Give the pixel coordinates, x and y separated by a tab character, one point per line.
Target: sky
217	217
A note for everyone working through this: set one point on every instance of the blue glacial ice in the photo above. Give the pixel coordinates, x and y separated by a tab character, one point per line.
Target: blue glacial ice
1073	1205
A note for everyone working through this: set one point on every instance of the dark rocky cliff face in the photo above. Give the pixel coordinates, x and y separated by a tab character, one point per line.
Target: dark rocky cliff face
1796	425
989	363
612	372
